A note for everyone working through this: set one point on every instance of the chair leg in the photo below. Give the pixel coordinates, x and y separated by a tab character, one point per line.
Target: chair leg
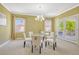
40	50
53	46
48	43
45	44
24	43
41	45
32	48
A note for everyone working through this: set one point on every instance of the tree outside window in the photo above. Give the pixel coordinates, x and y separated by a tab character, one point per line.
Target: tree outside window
70	27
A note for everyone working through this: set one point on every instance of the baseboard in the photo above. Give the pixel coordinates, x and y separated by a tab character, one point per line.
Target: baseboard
1	45
19	39
73	42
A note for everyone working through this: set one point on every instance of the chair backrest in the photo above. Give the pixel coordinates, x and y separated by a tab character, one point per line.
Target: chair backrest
42	32
24	35
52	34
36	41
30	34
47	33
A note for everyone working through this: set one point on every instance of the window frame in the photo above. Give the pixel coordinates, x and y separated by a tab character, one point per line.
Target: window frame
15	24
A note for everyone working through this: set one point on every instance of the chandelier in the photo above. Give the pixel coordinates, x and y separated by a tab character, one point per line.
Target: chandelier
40	18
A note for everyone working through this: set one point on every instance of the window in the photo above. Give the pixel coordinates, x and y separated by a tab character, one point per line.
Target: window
3	19
70	27
47	25
19	25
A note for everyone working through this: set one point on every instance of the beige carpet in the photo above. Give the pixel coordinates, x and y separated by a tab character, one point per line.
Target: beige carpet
15	47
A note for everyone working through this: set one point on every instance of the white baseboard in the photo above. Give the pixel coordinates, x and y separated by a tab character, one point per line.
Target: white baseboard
19	38
1	45
73	42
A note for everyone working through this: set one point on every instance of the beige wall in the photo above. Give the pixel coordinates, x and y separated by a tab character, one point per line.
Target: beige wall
53	24
5	31
30	25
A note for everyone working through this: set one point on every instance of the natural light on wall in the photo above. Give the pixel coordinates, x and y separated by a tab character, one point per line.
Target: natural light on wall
48	25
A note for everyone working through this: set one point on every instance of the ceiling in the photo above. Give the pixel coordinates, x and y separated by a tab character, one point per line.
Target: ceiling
46	9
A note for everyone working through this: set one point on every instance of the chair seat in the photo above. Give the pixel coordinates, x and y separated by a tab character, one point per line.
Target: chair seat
28	39
28	42
50	40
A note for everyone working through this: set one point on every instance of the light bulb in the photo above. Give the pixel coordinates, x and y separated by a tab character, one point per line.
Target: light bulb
35	18
40	18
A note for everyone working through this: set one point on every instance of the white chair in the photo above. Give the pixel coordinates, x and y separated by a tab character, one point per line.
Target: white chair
52	34
47	33
42	34
27	40
50	38
36	43
30	34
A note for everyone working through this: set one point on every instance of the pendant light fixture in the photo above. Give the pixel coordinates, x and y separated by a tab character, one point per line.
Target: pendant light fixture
40	17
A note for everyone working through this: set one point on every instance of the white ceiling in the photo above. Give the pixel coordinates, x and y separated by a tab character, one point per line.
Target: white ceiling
46	9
